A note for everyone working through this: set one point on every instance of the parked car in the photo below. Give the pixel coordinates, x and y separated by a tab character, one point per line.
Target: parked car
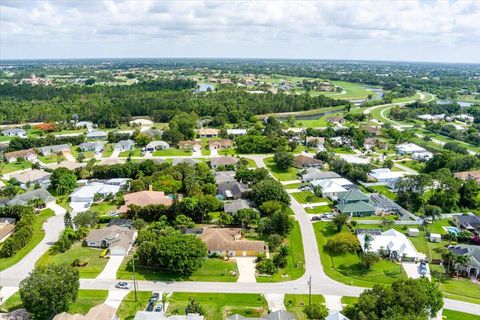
304	188
155	296
122	285
150	306
316	218
158	308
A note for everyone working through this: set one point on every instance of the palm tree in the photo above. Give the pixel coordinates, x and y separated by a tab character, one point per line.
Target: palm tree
460	260
164	300
448	257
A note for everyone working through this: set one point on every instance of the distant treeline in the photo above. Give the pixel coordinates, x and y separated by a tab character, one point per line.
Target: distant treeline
109	105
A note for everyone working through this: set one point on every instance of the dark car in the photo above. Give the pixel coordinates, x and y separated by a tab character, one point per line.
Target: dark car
155	296
150	306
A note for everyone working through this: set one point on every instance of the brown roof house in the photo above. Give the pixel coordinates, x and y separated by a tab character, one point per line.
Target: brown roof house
145	198
229	242
100	312
7	225
220	144
208	133
32	177
117	239
336	119
370	129
222	161
190	145
302	161
27	154
468	175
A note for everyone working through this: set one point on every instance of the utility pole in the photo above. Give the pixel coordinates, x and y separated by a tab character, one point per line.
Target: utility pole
134	280
310	291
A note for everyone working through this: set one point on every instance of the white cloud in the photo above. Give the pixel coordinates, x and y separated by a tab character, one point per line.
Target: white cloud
50	25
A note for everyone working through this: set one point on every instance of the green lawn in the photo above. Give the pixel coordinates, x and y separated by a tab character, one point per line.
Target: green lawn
13	303
349	300
314	123
104	208
129	307
308	197
385	191
134	153
205	151
293	185
413	164
84	254
87	299
319	209
227	152
251	163
456	315
212	269
348	268
340	150
14	166
456	288
37	237
282	175
50	159
171	153
107	152
218	306
296	302
295	267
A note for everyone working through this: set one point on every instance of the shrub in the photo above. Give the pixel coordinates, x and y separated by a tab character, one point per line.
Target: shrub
266	267
342	243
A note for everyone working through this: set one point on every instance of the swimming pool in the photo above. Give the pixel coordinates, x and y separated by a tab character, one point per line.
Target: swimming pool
453	230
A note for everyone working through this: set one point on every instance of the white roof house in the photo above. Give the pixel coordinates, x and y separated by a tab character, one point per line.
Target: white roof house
329	188
157	145
97	135
125	145
396	243
350	158
336	316
82	198
429	117
15	132
422	156
386	175
409	148
464	117
237	132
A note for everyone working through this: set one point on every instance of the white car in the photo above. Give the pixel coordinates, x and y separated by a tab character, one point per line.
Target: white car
122	285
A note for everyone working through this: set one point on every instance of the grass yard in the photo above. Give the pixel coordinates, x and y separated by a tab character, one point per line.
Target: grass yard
340	150
319	209
349	300
251	163
205	151
104	208
84	254
293	185
385	191
227	152
134	153
129	307
413	164
348	268
213	269
13	303
107	152
87	299
14	166
171	153
308	197
50	159
456	315
295	260
282	175
314	123
218	306
37	237
296	302
456	288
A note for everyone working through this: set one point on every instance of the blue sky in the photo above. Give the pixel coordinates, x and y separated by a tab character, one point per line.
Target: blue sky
369	30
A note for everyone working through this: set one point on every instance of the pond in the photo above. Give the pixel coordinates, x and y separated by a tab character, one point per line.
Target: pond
309	116
203	87
463	104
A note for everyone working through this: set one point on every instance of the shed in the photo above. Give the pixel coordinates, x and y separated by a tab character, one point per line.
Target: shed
435	237
413	232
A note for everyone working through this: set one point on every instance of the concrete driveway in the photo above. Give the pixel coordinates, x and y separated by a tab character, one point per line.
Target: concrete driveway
115	297
246	269
275	301
110	270
413	270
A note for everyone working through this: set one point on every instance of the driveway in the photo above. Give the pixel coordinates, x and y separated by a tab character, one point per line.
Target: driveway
413	270
69	156
333	303
115	154
110	270
275	301
246	269
7	292
115	297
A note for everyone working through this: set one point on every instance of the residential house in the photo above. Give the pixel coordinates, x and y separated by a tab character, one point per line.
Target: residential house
100	312
25	198
220	144
223	161
125	223
236	132
311	174
7	225
371	130
33	177
231	190
155	133
97	146
208	133
351	158
229	242
148	315
49	150
188	161
316	142
28	155
336	316
468	222
145	198
190	145
118	240
231	207
336	120
111	162
416	152
472	268
396	244
84	124
465	118
328	188
156	145
303	161
430	117
354	203
468	175
15	132
385	175
97	135
70	165
224	176
125	145
369	143
274	315
82	198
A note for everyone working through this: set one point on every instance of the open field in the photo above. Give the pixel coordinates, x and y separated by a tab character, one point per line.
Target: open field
282	175
295	303
87	299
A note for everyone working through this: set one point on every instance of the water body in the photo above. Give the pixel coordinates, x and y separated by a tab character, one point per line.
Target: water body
203	87
309	116
462	104
377	95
